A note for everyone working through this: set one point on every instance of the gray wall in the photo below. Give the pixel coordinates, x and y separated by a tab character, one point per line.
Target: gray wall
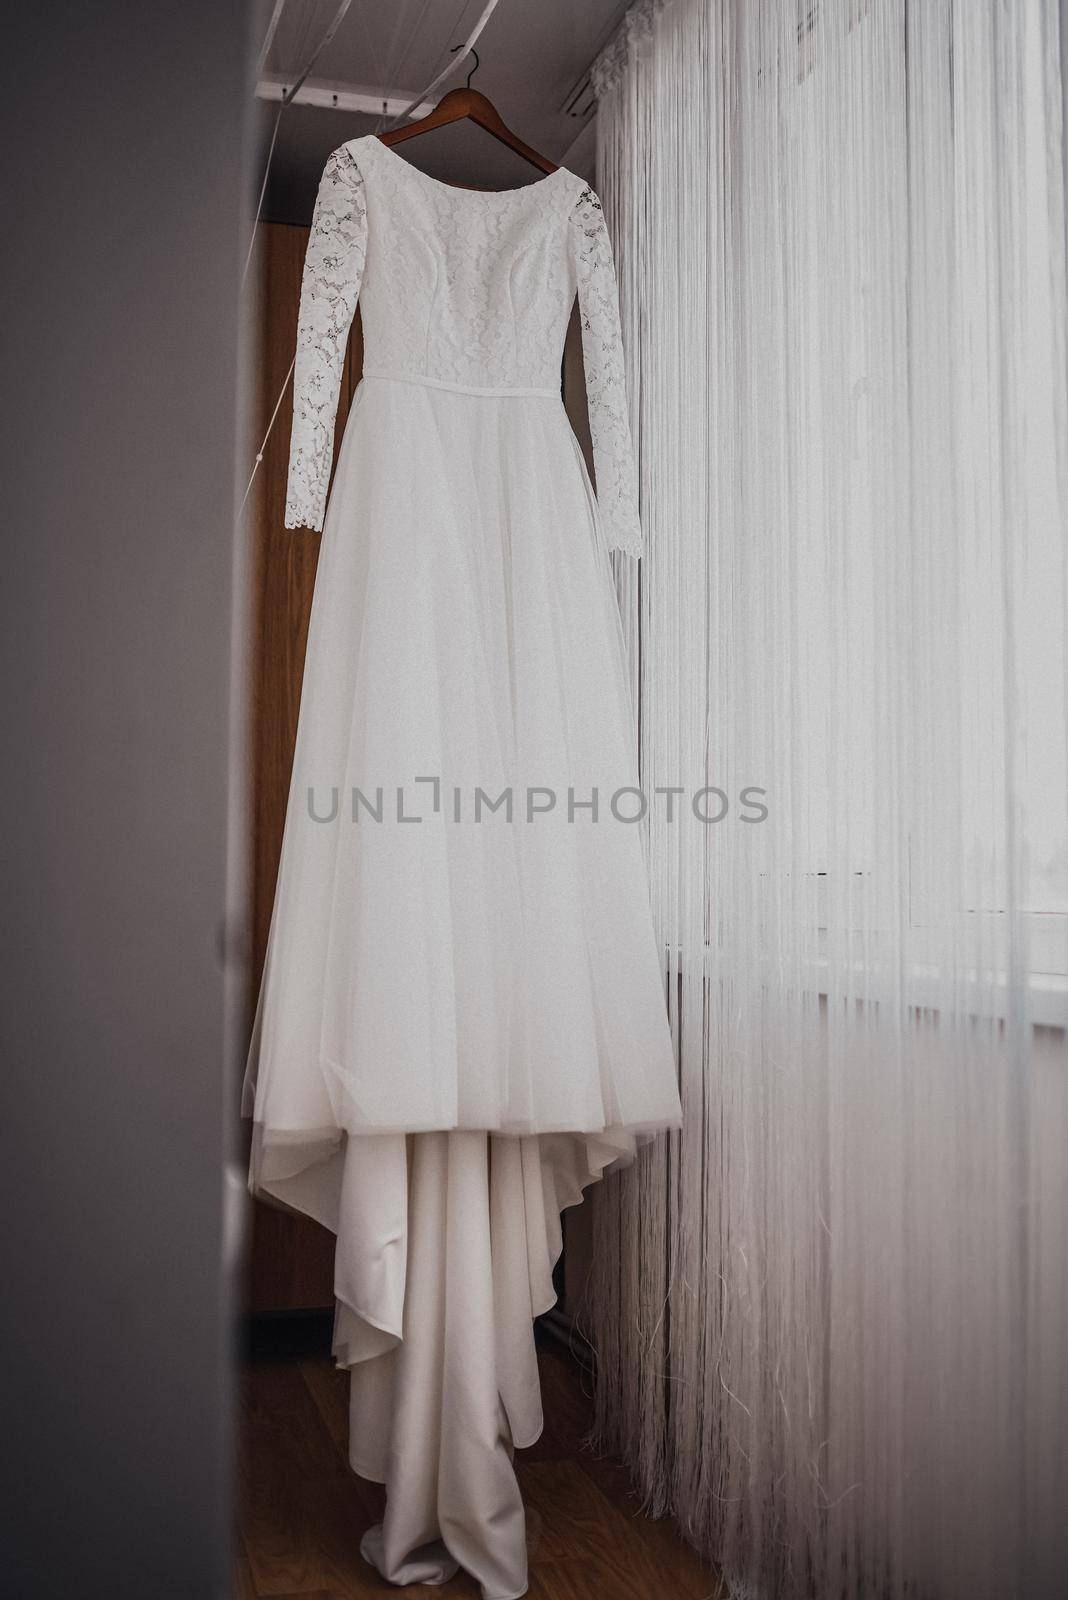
124	204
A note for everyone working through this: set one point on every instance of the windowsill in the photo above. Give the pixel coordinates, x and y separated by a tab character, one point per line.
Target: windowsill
1048	992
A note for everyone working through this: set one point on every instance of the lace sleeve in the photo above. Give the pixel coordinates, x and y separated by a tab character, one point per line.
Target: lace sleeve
606	388
333	268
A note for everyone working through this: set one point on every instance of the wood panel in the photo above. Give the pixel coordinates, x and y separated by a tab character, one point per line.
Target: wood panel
291	1263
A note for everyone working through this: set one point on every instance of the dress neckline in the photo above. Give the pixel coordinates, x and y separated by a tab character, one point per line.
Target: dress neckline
453	189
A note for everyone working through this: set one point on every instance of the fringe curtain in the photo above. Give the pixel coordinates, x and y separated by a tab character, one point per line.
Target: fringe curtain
831	1316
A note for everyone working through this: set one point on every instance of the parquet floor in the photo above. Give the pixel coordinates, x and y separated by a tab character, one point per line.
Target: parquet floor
301	1511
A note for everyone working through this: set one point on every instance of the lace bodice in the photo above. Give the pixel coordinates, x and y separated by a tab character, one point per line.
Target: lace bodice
458	289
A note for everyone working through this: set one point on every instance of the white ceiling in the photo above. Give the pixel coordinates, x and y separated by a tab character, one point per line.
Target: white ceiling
534	55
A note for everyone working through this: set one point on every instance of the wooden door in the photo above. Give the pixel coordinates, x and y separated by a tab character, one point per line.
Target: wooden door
291	1257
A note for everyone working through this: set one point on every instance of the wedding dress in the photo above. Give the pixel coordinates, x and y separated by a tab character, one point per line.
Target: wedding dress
462	1019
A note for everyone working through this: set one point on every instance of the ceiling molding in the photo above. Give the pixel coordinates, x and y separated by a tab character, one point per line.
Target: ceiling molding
333	96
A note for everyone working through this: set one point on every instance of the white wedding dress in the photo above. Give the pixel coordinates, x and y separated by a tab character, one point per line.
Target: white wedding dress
462	1018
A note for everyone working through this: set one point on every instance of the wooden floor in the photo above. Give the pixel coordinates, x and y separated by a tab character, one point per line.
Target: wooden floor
301	1511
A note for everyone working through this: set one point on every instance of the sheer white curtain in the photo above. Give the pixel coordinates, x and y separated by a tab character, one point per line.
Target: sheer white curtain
832	1316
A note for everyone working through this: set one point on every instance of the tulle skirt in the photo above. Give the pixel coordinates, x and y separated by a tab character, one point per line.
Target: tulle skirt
461	935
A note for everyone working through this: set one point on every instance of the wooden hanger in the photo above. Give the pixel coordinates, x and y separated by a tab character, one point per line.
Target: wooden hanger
467	102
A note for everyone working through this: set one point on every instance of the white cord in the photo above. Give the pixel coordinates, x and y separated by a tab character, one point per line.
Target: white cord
394	69
259	454
456	60
287	99
268	38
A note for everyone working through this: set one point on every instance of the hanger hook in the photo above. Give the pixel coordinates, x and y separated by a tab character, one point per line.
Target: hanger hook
474	69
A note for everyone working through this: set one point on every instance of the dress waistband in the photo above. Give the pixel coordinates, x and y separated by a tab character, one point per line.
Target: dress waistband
502	392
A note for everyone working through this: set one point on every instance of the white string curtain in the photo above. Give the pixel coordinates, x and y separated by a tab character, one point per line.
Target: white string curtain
831	1316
